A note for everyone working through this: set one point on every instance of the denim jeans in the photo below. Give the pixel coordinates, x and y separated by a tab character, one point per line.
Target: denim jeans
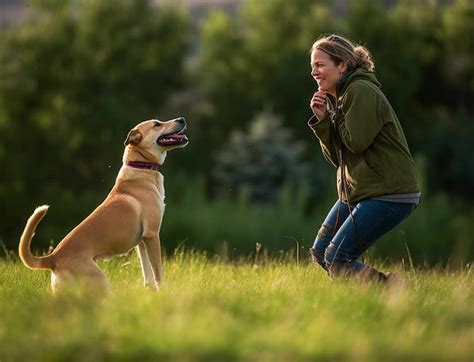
339	245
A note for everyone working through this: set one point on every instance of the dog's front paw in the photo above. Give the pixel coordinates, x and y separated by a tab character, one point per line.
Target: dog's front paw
152	286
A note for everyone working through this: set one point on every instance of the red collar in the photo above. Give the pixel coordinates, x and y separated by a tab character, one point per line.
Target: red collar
143	165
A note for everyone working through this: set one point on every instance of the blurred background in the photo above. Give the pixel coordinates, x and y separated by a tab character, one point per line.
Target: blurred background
77	75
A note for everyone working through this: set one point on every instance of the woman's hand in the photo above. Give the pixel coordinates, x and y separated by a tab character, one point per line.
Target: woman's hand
318	104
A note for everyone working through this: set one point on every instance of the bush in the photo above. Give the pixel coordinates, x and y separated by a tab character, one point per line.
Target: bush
261	160
438	232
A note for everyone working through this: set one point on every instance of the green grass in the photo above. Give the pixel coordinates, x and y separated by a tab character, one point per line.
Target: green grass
209	309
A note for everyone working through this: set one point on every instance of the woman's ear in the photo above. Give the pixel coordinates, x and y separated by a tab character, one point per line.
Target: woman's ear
342	67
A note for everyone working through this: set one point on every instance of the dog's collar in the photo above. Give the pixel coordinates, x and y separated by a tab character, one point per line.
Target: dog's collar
143	165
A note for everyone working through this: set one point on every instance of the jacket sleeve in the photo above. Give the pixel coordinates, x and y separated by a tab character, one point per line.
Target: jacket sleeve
362	121
322	130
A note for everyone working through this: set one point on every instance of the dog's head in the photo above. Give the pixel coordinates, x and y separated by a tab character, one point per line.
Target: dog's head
155	137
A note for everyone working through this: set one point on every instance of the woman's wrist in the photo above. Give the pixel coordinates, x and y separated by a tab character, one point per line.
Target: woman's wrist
314	120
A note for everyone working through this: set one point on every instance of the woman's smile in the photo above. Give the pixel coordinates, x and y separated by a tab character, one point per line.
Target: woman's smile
324	71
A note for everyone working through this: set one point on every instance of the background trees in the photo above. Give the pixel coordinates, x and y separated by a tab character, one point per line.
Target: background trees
74	79
78	74
262	160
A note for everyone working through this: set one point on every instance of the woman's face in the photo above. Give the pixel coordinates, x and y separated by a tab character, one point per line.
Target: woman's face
325	71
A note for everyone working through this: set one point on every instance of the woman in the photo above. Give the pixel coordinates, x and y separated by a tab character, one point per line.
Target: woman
359	134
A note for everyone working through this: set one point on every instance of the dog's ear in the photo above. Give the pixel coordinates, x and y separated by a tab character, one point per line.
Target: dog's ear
134	137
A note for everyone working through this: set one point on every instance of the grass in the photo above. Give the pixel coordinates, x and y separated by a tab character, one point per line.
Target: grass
209	309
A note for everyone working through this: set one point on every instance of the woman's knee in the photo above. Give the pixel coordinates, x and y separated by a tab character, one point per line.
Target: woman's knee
325	232
318	256
322	240
330	254
321	243
336	261
334	254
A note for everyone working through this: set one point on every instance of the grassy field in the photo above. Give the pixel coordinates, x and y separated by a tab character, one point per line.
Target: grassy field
209	309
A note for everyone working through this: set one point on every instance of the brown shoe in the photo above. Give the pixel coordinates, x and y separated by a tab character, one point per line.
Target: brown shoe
393	280
371	275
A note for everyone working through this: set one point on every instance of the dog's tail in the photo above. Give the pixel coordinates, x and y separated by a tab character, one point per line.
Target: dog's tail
31	261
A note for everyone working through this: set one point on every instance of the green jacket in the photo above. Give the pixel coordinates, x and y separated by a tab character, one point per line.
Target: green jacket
375	152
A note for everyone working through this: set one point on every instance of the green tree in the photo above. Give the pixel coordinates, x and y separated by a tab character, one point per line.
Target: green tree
448	146
445	104
261	60
456	35
74	79
402	41
258	60
262	160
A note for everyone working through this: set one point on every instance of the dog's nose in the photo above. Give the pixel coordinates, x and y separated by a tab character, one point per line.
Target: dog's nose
181	120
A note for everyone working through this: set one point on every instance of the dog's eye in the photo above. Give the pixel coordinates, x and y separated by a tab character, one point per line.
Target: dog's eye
157	124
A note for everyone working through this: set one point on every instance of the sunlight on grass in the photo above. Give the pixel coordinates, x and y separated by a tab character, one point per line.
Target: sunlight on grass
211	309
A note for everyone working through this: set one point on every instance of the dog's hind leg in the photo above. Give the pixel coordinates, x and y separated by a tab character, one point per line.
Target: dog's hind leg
147	270
97	281
153	248
84	275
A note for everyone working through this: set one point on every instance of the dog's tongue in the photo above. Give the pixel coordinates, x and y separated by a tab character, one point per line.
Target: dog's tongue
173	138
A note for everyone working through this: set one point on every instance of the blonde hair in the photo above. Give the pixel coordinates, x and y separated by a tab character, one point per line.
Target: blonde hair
341	49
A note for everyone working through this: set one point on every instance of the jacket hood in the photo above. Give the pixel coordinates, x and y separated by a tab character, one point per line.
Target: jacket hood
357	73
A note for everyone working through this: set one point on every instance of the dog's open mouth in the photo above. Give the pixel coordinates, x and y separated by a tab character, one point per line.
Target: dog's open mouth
173	139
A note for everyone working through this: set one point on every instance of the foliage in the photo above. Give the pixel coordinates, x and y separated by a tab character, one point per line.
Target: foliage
438	232
260	60
262	160
459	47
212	310
75	78
449	143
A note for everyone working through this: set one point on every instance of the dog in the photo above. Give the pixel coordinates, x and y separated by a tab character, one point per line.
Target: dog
130	216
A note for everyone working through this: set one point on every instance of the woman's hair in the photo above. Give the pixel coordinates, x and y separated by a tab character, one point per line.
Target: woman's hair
341	49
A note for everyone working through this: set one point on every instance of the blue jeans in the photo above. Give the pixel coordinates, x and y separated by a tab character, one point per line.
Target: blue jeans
342	239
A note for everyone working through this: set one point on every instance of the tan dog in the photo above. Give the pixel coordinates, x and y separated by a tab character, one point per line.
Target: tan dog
129	217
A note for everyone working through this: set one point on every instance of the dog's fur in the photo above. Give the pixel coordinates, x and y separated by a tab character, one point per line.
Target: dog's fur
129	217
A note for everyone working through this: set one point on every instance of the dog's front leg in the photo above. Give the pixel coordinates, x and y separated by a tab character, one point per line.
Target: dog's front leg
147	270
153	248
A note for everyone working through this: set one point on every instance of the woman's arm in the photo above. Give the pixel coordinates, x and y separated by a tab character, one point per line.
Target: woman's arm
322	130
362	121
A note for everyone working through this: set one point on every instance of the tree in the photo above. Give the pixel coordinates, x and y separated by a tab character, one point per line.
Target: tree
74	79
261	60
262	160
458	50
